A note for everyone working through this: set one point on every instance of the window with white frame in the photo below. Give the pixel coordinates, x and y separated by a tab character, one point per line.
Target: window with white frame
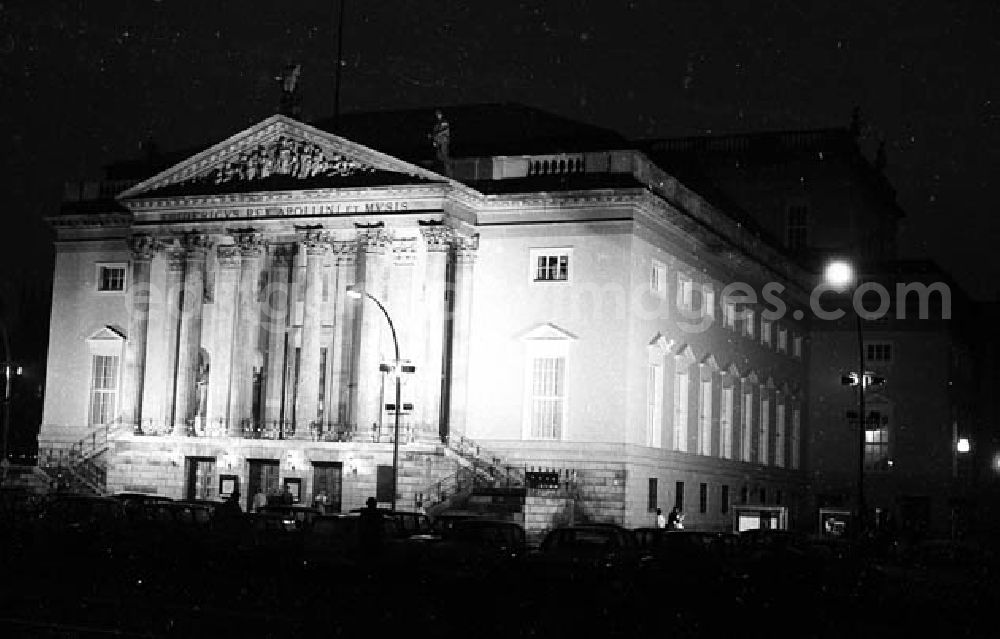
681	397
782	339
746	438
796	435
726	423
877	439
658	278
654	405
685	292
779	433
765	429
103	389
728	314
546	355
878	352
749	322
705	415
708	300
765	331
111	277
550	265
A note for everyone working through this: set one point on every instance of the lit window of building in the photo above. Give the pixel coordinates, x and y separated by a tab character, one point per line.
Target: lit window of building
782	339
765	332
726	423
797	346
779	431
550	265
705	414
685	292
110	277
708	300
654	405
658	278
681	410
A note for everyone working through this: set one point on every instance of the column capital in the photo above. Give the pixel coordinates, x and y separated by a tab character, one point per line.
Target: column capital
196	244
374	239
284	254
466	248
345	252
228	256
404	252
175	258
143	247
437	238
250	242
314	239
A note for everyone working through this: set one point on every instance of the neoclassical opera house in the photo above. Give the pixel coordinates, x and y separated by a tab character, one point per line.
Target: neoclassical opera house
556	308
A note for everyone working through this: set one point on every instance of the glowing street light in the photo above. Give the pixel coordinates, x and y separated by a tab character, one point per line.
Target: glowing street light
840	275
963	445
356	291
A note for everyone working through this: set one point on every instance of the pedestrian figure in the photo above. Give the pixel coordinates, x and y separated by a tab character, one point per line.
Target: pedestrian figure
259	501
371	527
676	519
661	521
319	502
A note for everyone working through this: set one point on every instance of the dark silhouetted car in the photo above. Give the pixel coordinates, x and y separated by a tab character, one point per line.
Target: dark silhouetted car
605	555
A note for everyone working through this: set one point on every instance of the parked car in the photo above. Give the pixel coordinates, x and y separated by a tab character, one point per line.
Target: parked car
605	555
134	502
301	517
336	540
78	524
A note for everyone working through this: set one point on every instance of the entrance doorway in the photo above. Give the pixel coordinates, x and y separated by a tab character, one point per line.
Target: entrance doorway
199	474
328	479
263	479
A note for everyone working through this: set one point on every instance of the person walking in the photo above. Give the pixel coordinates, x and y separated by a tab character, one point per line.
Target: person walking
661	520
676	519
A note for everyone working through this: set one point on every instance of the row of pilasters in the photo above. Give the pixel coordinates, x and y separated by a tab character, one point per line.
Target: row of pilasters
355	346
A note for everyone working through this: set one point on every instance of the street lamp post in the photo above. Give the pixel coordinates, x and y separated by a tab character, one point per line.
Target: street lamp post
357	292
840	275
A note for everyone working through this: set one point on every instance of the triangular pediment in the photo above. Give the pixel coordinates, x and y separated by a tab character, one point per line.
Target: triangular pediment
107	334
733	370
685	356
660	345
710	362
548	332
281	154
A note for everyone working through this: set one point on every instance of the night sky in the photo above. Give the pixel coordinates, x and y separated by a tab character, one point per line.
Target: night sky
83	83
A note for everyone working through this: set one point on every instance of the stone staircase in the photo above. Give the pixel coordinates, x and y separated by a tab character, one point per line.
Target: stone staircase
483	482
81	466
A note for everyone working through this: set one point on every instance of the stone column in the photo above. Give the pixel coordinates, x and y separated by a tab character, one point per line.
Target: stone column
399	303
171	310
276	317
225	313
374	242
251	247
189	338
315	245
345	255
143	248
430	371
465	257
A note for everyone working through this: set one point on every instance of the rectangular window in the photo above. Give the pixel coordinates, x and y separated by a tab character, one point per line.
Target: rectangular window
103	389
724	499
796	434
708	300
703	498
110	277
705	418
797	227
877	441
749	322
550	265
744	494
782	339
880	352
651	495
763	495
679	495
765	332
680	411
765	430
321	409
796	346
778	496
654	407
685	292
779	434
729	314
747	435
658	278
548	395
726	423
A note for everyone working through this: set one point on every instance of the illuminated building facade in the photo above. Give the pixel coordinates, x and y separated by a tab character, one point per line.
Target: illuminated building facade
561	297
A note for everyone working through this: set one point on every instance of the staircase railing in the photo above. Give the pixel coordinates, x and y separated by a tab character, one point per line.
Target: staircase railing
78	460
492	467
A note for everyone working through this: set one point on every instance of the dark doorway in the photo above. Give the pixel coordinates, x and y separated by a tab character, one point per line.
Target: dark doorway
328	479
263	478
383	485
199	474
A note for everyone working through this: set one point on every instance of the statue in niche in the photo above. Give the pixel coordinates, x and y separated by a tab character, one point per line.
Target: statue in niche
201	391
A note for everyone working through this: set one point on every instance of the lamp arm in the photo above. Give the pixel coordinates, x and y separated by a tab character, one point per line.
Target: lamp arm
395	342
